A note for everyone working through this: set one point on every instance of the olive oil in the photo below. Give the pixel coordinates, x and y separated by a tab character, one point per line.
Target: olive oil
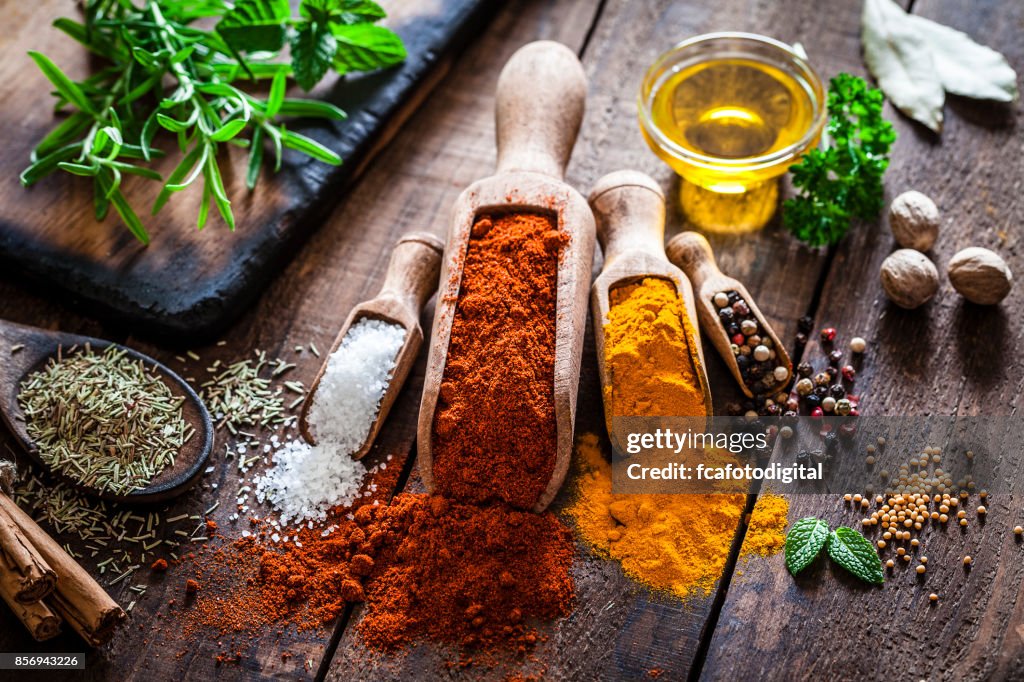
733	109
730	126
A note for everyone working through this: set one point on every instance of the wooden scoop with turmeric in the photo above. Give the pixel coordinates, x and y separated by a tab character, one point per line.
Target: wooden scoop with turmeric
629	209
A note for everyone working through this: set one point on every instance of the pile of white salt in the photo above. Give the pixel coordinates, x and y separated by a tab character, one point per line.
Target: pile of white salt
306	480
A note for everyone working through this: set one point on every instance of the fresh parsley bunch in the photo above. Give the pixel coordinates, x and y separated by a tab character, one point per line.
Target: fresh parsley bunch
176	66
842	180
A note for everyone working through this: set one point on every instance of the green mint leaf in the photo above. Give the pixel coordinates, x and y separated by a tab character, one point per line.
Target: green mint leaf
359	11
804	542
255	25
312	51
365	47
856	554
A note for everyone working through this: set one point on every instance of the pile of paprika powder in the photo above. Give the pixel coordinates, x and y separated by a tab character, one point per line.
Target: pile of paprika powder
495	430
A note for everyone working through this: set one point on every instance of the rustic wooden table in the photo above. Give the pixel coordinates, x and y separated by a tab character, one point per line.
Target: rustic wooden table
758	623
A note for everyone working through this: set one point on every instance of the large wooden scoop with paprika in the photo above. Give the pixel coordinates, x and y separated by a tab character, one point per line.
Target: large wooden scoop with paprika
630	211
540	100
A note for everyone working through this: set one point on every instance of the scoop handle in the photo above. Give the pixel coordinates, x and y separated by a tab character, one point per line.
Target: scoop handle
630	211
413	270
540	99
691	253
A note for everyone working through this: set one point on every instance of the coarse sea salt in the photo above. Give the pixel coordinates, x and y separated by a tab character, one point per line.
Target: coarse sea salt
307	481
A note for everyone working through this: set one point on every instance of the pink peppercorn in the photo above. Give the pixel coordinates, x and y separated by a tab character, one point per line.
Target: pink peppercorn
828	334
817	412
848	372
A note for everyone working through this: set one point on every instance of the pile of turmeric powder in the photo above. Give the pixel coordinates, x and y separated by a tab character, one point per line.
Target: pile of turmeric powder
674	543
766	530
647	342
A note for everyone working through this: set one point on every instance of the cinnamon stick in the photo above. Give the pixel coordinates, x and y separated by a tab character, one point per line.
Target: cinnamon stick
78	598
24	574
40	621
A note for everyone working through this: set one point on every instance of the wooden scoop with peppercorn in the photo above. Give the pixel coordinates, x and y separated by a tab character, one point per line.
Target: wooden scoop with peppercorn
731	319
539	107
629	209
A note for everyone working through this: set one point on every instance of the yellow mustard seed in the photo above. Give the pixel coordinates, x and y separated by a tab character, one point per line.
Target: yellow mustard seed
1018	530
921	570
933	597
968	560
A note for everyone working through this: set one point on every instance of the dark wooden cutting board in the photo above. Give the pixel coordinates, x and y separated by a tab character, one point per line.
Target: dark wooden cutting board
188	284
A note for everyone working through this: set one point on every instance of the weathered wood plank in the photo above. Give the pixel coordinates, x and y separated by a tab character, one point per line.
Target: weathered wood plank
948	357
619	630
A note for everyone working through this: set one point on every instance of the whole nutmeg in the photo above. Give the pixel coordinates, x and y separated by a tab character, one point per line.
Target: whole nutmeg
980	275
914	219
909	278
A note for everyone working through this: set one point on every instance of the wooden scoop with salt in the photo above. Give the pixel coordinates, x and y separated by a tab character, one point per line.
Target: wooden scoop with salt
410	281
629	208
693	254
540	100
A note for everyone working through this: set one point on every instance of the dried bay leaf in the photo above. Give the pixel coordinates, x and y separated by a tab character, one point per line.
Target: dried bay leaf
901	61
965	67
916	61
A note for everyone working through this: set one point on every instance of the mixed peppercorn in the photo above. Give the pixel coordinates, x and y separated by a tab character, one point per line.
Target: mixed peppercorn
752	345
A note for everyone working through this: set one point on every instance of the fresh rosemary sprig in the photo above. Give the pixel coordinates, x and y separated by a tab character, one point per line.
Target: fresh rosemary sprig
164	71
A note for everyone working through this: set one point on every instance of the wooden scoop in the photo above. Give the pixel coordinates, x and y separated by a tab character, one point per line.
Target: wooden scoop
38	346
540	99
692	253
411	279
629	208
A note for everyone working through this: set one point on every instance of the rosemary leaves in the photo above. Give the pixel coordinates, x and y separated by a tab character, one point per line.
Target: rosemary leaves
103	419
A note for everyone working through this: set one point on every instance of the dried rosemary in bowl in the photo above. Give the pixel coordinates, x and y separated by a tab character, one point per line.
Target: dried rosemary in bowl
103	419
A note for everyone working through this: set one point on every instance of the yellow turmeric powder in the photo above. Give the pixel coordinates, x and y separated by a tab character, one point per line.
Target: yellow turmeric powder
766	530
647	342
676	543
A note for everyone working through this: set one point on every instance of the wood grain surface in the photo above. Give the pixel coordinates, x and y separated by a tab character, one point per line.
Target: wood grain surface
948	357
189	283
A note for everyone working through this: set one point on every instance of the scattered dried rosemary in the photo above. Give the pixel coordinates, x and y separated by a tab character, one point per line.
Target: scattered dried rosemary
103	419
237	396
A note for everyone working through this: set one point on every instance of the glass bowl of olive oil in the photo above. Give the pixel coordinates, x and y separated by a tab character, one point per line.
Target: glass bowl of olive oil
730	113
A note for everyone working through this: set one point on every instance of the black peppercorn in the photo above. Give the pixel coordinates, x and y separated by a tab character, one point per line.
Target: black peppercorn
821	392
837	391
733	329
743	362
801	339
790	413
733	297
812	401
755	371
835	356
805	324
831	442
804	369
726	315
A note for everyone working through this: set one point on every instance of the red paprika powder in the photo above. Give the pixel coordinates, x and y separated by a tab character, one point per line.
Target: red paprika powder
495	432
